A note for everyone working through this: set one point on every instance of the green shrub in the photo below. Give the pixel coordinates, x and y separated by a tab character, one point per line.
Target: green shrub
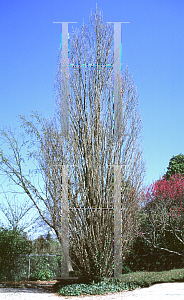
143	257
44	267
14	245
42	275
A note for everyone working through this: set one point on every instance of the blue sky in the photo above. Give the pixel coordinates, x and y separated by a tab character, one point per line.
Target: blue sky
152	47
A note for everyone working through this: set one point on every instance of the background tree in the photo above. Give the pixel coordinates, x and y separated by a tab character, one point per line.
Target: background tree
42	181
17	215
162	215
46	244
91	148
176	166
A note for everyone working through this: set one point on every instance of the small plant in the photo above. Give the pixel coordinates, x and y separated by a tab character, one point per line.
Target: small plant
128	281
43	268
42	275
102	287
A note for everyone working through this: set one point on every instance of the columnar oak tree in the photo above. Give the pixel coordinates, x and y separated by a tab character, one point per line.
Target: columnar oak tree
92	147
90	150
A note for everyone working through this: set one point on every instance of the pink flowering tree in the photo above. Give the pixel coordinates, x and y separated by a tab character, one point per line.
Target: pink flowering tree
163	214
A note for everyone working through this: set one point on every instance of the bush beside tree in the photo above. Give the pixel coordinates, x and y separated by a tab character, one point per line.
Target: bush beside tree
160	243
46	267
15	248
143	257
13	244
163	215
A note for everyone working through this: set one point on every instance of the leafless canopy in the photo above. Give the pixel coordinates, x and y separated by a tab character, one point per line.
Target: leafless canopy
93	149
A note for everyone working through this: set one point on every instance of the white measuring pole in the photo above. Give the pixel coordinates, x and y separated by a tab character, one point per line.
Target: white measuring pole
64	133
117	133
64	78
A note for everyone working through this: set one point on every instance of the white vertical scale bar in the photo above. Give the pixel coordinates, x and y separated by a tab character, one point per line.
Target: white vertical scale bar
117	169
64	221
64	133
117	80
117	132
65	81
117	222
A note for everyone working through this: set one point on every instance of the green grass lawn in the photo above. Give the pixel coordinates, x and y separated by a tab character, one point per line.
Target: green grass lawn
128	281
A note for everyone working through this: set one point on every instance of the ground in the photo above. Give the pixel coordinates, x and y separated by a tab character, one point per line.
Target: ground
46	285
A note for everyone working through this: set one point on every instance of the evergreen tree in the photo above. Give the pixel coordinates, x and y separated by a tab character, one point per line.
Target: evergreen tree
176	166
